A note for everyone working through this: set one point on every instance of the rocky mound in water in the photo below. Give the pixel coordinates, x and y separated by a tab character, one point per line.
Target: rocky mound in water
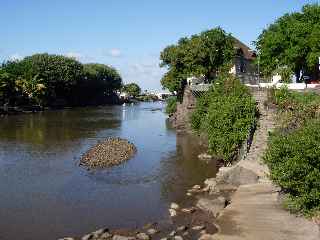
108	153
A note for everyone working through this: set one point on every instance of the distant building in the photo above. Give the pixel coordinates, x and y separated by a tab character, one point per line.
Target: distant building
243	62
196	80
243	66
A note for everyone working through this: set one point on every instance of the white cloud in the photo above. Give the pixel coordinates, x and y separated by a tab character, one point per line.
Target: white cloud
146	72
114	52
75	55
81	57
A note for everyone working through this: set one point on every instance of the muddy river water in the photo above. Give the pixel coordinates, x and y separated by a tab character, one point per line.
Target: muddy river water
44	194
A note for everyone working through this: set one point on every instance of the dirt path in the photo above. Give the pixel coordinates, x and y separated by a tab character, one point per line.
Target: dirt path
255	212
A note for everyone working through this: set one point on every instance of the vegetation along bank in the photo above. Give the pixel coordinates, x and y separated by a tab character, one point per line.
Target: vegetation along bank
293	154
56	81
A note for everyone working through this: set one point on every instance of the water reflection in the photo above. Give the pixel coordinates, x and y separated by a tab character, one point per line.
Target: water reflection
181	169
56	126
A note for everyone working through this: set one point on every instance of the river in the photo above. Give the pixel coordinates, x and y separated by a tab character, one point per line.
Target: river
46	195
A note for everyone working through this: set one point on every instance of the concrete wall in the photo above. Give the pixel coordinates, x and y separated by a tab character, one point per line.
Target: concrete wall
292	86
180	120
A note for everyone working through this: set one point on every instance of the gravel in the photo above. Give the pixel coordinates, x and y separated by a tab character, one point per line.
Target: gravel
108	153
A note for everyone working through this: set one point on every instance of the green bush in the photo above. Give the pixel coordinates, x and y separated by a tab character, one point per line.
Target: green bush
171	105
290	100
285	73
295	107
293	155
294	162
226	114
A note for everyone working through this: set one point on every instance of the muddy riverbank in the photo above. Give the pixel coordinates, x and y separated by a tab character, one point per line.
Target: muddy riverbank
255	207
187	221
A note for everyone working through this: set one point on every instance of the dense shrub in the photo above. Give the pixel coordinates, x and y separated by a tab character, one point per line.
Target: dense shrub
226	114
171	105
286	99
294	161
293	155
295	107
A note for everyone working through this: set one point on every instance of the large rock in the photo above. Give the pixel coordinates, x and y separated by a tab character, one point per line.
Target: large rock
178	238
198	228
206	237
210	184
152	231
101	231
212	204
143	236
237	176
172	212
118	237
174	206
88	237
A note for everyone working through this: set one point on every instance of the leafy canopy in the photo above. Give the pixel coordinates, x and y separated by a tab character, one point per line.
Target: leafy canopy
46	79
291	41
202	54
132	89
107	77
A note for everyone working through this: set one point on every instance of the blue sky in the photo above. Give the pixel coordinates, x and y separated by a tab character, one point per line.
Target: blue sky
127	34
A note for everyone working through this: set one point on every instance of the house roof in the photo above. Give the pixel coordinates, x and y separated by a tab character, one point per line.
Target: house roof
247	52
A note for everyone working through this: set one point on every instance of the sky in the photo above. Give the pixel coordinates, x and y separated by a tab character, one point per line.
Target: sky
127	34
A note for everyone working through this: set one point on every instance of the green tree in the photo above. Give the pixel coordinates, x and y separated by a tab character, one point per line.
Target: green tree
7	86
58	80
105	75
292	41
33	89
132	89
99	82
58	74
203	54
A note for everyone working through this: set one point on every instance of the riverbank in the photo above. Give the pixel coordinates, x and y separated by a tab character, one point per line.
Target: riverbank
187	223
255	209
193	220
240	203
